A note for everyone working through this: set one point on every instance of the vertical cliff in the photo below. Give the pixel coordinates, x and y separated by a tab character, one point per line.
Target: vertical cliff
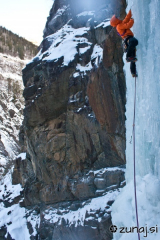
74	121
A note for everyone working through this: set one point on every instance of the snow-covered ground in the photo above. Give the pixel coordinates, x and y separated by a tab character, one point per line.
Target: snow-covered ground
146	15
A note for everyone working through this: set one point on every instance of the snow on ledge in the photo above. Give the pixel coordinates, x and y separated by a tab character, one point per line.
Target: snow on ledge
108	169
104	24
85	13
64	44
22	156
77	217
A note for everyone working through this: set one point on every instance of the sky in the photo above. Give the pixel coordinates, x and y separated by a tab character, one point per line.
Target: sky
27	18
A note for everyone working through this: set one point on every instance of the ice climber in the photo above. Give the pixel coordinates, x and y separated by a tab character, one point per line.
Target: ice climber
129	41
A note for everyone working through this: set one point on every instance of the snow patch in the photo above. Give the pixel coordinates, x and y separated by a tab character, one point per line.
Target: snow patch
108	169
64	43
104	24
22	156
14	216
7	189
76	74
86	13
77	217
84	69
97	51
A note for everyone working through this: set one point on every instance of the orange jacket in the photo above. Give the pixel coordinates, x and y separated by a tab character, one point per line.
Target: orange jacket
123	27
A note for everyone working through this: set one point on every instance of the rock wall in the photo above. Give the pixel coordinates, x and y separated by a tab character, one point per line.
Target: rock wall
68	128
74	118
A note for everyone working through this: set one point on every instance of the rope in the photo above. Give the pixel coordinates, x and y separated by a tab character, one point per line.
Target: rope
134	160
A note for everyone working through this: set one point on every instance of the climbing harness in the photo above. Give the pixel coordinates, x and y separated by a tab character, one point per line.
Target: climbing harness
134	161
121	35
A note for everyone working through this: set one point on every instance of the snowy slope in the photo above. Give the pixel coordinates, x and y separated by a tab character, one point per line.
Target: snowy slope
146	29
12	215
11	116
11	105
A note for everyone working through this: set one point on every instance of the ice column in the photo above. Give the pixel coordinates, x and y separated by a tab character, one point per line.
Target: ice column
146	29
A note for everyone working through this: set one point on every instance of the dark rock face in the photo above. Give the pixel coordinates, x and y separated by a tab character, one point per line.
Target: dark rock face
106	91
74	117
64	140
3	234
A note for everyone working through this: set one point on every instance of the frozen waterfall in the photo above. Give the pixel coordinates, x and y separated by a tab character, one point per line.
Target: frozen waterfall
146	14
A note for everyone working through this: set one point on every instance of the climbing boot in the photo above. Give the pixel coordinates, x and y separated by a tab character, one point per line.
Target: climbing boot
131	59
134	75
